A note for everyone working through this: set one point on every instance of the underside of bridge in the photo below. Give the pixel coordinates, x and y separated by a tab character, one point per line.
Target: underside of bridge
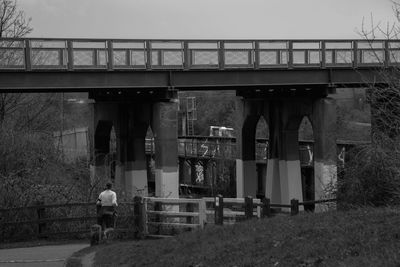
131	118
283	109
284	114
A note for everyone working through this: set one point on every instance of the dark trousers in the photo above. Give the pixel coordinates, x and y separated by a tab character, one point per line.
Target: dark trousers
107	217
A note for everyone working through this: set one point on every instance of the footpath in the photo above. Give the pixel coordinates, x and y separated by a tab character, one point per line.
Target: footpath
49	255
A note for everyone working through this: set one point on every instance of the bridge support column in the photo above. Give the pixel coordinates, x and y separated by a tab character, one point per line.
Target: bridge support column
246	169
105	115
165	131
136	165
325	155
136	182
283	167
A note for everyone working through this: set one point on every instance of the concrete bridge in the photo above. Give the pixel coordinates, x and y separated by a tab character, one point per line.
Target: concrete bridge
134	84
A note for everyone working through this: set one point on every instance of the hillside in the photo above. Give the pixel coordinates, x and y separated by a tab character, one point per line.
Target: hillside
366	237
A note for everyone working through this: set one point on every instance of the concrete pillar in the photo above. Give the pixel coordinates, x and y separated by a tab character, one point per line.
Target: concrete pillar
136	167
291	187
136	162
246	170
164	126
283	167
104	115
325	155
121	132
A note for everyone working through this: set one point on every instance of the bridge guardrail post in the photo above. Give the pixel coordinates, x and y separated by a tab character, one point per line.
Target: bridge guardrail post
323	54
28	63
148	55
256	54
355	54
219	210
186	55
387	54
248	207
110	62
294	209
266	207
221	55
70	53
290	54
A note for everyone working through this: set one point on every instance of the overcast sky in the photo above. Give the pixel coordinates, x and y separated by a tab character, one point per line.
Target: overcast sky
214	19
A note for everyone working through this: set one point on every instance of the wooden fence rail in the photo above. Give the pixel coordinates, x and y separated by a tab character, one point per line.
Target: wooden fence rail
151	216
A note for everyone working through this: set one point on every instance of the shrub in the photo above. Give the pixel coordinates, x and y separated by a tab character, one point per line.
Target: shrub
372	174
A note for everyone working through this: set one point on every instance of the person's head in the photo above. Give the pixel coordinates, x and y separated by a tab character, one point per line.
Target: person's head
108	185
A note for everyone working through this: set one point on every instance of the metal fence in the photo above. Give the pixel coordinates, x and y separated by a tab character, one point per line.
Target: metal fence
99	54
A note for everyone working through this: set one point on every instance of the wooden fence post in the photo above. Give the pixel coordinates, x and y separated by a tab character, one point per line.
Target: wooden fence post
202	213
266	207
248	207
158	207
219	210
41	215
294	209
138	213
189	208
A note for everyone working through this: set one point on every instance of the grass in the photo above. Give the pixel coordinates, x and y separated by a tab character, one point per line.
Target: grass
365	237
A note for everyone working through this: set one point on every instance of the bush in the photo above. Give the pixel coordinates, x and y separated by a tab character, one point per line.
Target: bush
372	175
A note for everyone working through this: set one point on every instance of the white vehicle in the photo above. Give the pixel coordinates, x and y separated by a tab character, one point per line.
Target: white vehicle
221	131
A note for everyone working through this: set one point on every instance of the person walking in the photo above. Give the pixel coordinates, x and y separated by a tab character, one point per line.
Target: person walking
108	202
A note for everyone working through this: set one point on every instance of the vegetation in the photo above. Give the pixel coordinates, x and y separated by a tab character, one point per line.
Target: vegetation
365	237
372	176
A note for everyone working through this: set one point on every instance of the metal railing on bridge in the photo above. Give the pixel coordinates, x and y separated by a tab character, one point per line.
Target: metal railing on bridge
206	147
101	54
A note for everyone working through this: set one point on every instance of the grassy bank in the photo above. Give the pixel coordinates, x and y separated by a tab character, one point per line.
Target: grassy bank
367	237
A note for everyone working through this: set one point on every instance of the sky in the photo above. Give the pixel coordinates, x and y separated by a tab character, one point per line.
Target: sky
205	19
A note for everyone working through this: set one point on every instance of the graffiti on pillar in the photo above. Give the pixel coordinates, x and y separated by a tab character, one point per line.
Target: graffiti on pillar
341	156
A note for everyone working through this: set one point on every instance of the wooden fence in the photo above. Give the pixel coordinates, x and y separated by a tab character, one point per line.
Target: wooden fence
151	217
57	219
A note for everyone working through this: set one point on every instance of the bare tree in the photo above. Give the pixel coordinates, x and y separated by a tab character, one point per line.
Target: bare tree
372	176
13	24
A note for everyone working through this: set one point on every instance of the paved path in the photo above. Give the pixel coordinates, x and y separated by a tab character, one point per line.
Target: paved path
38	256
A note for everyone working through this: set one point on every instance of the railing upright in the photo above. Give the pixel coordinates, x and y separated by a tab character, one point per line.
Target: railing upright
148	55
70	53
186	55
355	54
323	54
28	63
110	61
290	54
387	54
256	54
221	55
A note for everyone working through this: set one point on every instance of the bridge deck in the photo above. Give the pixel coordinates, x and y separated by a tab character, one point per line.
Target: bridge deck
78	64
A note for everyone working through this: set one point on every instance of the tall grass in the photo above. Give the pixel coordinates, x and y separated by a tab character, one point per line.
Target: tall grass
364	237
